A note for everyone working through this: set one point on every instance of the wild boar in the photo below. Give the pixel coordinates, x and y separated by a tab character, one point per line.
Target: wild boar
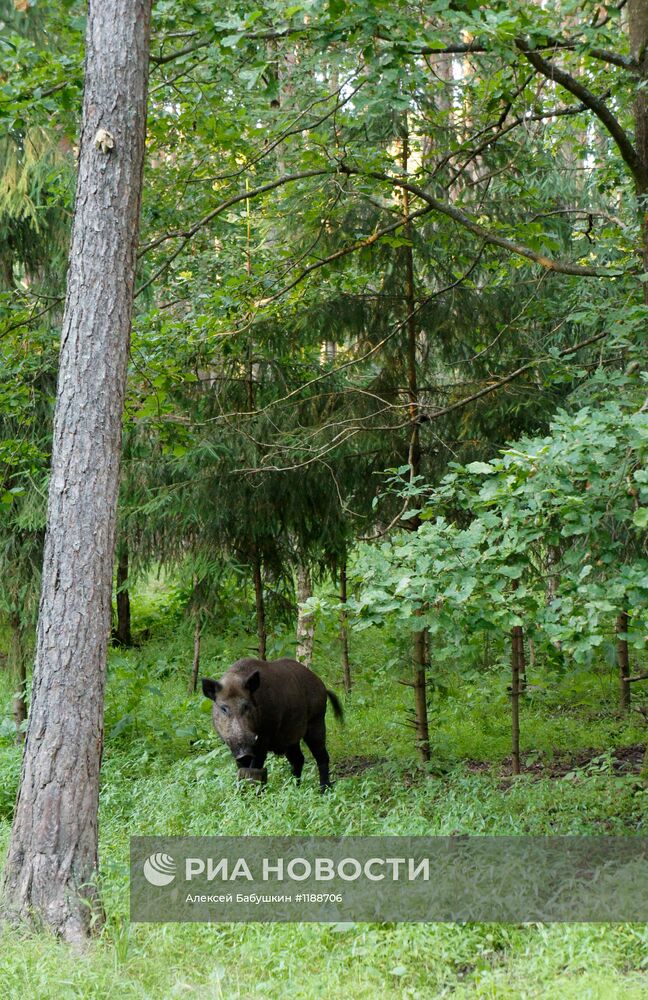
269	707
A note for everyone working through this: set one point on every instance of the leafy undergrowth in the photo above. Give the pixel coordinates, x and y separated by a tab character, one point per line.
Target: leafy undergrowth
166	773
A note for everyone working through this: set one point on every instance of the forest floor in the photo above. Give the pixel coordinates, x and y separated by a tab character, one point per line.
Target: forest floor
165	772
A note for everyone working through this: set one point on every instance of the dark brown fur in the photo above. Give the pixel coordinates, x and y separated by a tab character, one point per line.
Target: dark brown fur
270	707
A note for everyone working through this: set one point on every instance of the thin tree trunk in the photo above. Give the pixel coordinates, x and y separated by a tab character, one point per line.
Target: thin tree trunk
305	619
51	871
260	605
195	670
122	634
420	697
638	32
521	658
18	666
330	351
553	560
637	11
344	630
486	662
256	560
515	699
414	460
623	661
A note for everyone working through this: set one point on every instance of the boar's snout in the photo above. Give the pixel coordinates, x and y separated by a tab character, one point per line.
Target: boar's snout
244	752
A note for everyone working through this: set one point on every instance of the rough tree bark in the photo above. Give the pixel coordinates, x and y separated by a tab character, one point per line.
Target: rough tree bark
305	619
50	876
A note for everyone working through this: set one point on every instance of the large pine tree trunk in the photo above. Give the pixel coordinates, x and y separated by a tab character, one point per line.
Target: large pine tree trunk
50	877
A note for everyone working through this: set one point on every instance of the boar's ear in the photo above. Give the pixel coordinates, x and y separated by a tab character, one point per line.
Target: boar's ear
211	688
253	682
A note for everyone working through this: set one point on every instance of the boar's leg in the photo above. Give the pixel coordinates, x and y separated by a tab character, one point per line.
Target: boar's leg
315	740
295	758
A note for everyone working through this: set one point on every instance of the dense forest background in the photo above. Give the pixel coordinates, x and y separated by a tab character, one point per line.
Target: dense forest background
387	410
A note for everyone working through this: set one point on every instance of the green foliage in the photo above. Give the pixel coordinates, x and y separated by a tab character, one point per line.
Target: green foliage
548	535
268	384
27	379
9	769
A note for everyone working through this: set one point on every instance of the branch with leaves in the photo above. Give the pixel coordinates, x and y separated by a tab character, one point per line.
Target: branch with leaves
487	235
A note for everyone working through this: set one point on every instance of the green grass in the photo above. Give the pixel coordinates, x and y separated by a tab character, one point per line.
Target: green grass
166	773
